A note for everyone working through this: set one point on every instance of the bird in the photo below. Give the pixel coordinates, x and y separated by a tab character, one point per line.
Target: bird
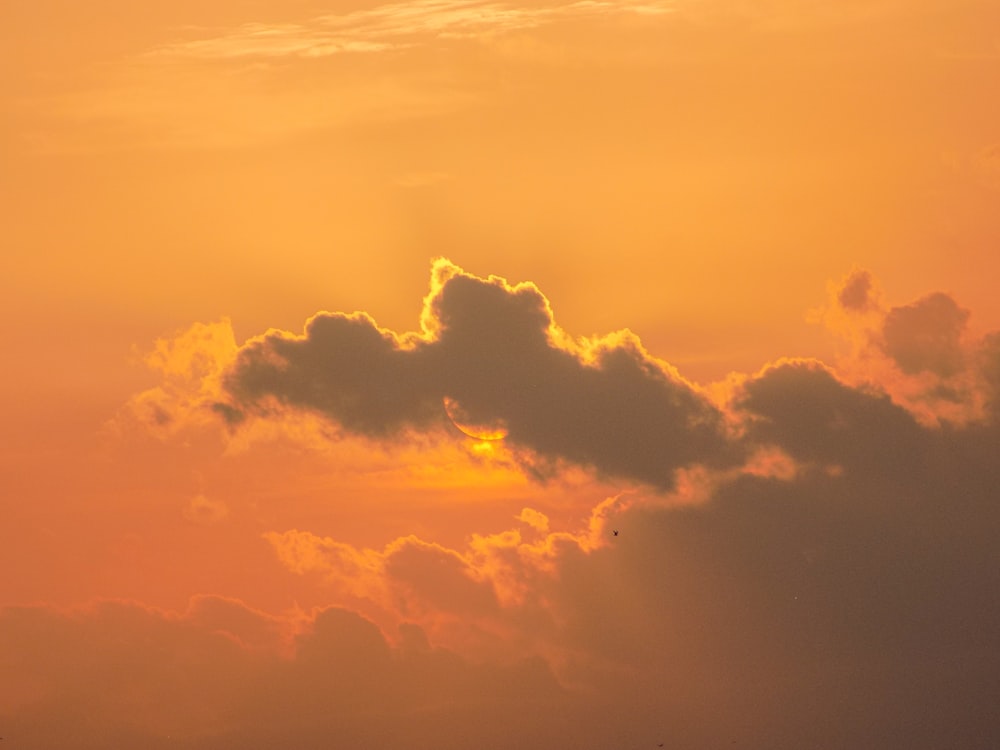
616	532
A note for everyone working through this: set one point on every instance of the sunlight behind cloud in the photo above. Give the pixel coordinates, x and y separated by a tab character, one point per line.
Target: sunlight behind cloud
709	522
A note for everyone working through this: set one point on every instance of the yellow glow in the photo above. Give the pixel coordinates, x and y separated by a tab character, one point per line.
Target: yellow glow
484	448
482	431
687	173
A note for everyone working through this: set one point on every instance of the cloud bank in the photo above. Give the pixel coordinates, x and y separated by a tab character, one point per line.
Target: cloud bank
811	561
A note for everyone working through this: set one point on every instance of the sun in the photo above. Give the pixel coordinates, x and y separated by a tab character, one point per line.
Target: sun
477	430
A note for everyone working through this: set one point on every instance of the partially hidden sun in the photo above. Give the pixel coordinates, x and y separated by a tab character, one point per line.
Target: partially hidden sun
466	424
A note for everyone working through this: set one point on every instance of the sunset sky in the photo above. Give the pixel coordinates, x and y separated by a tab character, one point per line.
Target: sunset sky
454	374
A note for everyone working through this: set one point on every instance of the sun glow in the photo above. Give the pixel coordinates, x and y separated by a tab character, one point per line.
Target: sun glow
469	425
688	439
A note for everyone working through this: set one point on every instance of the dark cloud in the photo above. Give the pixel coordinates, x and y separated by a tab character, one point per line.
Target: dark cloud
825	611
803	408
855	294
345	368
438	577
495	350
926	336
847	603
122	675
851	605
988	363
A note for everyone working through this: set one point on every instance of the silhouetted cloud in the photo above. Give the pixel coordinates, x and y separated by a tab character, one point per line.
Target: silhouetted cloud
926	336
494	349
804	409
988	362
812	563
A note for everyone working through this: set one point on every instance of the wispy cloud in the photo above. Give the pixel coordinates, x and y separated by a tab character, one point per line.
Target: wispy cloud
392	26
496	350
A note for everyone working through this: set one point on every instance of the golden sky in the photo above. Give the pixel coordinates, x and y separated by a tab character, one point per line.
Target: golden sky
500	374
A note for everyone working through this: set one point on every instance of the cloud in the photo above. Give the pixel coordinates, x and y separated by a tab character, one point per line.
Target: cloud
988	361
478	597
785	16
534	519
848	604
926	336
121	674
802	408
119	670
833	587
921	354
205	510
855	293
493	348
391	26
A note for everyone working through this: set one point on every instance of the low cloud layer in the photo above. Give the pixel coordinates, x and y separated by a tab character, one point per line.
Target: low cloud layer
810	561
122	675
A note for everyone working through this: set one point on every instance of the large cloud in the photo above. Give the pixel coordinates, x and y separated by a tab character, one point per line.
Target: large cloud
849	605
495	350
841	596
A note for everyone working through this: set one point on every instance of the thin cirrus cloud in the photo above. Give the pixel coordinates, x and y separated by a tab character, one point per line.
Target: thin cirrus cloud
390	26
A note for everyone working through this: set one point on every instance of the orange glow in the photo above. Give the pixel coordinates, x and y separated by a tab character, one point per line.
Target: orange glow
453	373
476	430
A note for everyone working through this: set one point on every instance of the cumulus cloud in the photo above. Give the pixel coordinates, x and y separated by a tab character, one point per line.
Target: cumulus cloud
848	604
926	336
806	411
190	363
855	293
988	363
480	596
495	350
812	563
921	354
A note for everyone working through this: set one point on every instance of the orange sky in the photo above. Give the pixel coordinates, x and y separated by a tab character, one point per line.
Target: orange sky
722	273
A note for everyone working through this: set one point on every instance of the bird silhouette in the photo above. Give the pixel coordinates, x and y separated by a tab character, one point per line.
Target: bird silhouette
616	532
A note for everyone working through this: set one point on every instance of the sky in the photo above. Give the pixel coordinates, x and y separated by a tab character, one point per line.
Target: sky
529	374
